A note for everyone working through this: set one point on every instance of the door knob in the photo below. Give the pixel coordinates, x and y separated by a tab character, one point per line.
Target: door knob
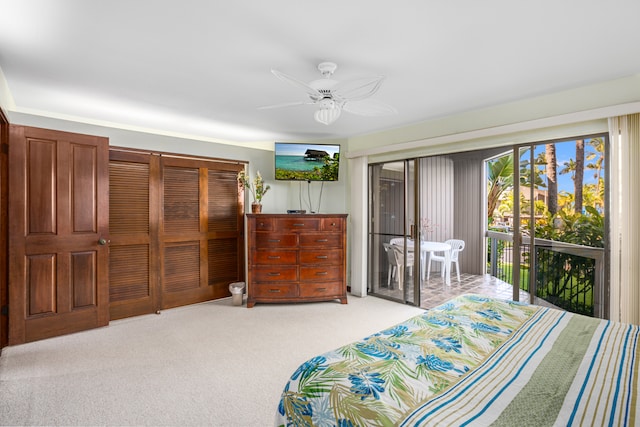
102	242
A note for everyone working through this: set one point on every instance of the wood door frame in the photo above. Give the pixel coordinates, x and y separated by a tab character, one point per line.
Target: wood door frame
4	226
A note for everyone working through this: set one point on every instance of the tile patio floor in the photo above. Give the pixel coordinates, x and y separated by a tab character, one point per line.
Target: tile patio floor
435	292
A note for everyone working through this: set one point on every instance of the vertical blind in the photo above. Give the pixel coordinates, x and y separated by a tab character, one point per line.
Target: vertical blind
625	229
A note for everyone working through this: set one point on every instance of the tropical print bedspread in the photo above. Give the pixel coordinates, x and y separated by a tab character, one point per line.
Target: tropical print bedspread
474	361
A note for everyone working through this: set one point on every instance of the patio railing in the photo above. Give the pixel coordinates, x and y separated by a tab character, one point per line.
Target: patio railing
566	275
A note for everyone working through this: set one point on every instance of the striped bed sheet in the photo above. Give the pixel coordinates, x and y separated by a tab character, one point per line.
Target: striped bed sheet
476	361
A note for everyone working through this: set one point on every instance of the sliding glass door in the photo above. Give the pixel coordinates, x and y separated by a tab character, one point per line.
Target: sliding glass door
538	223
554	204
393	270
411	215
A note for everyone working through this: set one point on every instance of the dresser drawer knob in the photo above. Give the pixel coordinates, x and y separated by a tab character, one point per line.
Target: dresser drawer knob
321	273
275	291
274	273
322	257
321	289
273	257
322	240
274	240
298	224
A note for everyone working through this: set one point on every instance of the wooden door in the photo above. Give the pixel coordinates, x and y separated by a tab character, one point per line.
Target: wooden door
134	264
58	233
176	227
201	230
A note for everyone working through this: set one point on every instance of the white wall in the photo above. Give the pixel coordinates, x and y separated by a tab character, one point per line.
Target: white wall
357	231
6	100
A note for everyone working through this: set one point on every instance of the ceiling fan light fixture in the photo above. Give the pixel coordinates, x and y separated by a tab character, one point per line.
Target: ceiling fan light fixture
326	103
332	96
327	115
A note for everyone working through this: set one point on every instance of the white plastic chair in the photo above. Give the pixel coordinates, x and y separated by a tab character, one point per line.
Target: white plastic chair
396	263
457	246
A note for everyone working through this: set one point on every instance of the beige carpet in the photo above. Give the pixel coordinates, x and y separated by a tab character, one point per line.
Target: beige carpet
206	364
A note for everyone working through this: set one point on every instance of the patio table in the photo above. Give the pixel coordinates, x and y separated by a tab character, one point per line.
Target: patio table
427	248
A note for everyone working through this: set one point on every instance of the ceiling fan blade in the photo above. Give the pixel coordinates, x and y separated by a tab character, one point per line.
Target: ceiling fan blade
313	93
284	104
358	89
369	107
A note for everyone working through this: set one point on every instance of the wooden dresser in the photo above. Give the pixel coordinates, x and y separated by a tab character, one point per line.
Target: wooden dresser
295	258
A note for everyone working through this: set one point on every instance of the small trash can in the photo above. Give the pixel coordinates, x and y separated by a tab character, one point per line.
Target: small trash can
236	289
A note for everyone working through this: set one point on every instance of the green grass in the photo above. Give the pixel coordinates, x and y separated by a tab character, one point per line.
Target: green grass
584	305
505	272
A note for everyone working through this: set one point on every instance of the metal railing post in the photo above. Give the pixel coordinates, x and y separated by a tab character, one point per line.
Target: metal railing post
598	288
494	256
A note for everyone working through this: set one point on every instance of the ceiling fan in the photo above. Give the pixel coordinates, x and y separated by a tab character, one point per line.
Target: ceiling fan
332	96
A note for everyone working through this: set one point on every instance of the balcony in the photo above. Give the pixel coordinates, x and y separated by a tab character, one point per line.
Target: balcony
567	276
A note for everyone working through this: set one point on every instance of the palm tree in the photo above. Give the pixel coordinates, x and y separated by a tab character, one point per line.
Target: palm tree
578	178
598	156
576	168
500	177
531	176
552	179
569	167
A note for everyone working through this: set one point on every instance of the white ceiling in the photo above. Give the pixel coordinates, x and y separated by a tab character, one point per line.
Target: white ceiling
202	67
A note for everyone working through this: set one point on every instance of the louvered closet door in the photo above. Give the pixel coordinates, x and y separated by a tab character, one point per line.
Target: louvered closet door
133	255
225	242
176	231
201	230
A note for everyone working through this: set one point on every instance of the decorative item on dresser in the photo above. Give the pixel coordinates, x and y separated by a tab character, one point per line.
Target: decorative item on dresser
256	208
295	258
258	189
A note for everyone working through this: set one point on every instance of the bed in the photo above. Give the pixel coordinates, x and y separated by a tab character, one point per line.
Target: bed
474	360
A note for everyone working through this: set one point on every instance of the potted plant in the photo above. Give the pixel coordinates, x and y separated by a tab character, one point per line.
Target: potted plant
257	187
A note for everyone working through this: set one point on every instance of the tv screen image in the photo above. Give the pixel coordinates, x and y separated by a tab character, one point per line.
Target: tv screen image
307	162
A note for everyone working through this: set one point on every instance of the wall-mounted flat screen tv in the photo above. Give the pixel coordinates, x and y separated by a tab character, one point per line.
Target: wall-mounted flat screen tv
307	162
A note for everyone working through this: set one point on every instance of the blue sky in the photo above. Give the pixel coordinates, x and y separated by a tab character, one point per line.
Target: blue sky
290	149
564	152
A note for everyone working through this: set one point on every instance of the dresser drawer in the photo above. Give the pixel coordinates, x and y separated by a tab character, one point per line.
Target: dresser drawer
275	274
274	257
320	256
298	224
325	240
332	224
321	273
321	289
269	290
263	224
276	240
